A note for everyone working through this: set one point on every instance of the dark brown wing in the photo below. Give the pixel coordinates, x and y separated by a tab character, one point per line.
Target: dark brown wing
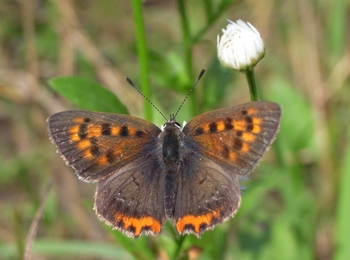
235	137
132	198
206	196
220	146
123	154
97	144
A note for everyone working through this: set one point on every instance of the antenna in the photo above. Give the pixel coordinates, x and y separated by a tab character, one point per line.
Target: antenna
189	92
149	101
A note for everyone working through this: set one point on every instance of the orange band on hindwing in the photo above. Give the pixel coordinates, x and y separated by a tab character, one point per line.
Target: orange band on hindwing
196	224
137	225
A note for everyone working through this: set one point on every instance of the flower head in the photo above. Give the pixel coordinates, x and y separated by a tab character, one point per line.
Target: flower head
241	46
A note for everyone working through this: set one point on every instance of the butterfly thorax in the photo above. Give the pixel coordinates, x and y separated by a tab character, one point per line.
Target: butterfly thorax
172	141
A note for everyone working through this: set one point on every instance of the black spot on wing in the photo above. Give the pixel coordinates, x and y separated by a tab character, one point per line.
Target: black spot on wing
140	133
250	128
213	127
248	119
124	131
94	150
106	129
82	132
250	125
199	130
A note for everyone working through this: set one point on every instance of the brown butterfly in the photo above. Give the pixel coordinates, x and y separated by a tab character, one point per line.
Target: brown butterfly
147	175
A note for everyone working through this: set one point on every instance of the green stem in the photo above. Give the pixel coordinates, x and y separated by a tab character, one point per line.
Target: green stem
249	73
143	56
180	243
187	40
208	7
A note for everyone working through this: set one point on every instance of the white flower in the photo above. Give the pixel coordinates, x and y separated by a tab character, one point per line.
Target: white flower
241	46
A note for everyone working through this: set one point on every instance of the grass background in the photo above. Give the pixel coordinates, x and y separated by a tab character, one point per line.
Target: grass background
297	202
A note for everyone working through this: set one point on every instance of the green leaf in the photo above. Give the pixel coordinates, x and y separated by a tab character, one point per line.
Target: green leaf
87	94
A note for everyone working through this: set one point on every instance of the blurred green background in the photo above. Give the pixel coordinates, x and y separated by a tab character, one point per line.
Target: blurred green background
297	202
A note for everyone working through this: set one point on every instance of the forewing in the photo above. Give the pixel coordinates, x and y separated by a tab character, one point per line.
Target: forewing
235	137
97	144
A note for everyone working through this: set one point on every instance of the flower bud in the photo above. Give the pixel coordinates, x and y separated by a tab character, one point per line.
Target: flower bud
241	46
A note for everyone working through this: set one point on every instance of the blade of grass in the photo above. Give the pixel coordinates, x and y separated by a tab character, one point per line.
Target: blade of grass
143	56
187	43
337	28
68	248
79	248
343	223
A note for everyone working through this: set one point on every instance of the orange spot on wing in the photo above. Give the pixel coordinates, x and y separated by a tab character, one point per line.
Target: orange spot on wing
239	125
78	120
131	130
248	137
196	221
115	130
138	223
251	111
74	133
84	144
257	120
220	126
206	128
256	129
87	154
102	160
94	131
233	156
245	148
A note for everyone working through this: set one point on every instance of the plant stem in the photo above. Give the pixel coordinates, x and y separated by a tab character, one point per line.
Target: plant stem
249	73
143	56
187	40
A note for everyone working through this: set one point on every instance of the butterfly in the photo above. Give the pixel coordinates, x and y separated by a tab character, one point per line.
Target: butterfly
146	175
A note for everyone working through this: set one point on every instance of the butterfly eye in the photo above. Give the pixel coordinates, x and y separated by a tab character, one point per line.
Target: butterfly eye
175	123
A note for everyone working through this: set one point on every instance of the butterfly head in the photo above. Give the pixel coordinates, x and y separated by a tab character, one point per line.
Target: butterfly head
171	124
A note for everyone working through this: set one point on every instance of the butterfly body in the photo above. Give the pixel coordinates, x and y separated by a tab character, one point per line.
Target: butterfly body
147	175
